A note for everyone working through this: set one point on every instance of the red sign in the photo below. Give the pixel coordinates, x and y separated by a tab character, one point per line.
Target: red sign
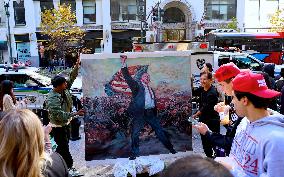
203	46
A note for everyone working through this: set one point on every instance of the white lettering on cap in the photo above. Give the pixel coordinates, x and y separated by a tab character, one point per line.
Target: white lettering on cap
261	83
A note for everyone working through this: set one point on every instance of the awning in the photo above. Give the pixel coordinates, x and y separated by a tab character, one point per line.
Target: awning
3	45
93	34
41	37
125	34
22	38
116	34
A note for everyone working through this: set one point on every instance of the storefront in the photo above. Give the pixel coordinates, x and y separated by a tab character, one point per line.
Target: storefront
93	40
23	49
122	40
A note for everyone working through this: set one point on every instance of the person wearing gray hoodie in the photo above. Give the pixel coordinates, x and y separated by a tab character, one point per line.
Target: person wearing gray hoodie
257	148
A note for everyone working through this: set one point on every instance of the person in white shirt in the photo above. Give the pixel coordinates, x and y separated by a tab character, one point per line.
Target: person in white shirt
7	98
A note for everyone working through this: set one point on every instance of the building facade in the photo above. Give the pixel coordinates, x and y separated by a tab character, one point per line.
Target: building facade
112	25
258	13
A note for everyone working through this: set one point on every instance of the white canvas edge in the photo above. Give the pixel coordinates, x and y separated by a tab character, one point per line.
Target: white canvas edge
134	54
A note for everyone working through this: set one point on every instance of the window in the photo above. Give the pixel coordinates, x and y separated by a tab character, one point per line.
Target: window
174	35
89	11
114	10
70	2
220	9
2	16
245	62
223	59
123	10
129	13
19	12
173	15
46	5
1	56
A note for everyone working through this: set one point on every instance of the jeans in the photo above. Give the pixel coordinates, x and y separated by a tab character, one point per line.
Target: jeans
61	137
214	126
138	123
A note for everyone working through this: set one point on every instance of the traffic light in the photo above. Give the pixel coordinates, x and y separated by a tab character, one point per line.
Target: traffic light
155	14
161	14
145	25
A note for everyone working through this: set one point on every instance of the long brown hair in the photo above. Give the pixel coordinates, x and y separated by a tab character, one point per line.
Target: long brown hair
6	88
22	144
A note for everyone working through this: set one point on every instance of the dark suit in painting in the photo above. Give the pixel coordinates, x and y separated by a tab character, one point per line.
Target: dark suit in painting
141	115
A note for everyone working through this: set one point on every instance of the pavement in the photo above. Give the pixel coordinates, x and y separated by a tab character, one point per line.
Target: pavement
103	168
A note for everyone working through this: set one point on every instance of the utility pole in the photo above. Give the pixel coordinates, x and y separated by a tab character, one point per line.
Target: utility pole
157	15
6	6
141	9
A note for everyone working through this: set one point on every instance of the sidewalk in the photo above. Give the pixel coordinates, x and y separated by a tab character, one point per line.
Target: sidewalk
103	168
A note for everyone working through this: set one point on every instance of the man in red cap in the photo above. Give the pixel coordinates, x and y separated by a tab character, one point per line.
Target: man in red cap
257	148
224	75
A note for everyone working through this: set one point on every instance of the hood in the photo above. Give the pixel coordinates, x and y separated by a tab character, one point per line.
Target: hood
276	119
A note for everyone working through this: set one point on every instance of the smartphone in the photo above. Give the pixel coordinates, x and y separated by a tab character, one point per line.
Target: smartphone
193	121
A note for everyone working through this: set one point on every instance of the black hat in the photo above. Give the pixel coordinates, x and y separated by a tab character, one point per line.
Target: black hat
57	80
282	72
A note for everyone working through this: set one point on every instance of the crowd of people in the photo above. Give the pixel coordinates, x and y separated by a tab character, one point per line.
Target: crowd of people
253	139
252	145
55	63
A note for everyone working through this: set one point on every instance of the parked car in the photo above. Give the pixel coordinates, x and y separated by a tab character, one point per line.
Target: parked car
243	61
30	84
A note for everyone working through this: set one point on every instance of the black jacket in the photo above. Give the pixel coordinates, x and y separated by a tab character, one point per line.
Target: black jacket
224	141
137	104
208	100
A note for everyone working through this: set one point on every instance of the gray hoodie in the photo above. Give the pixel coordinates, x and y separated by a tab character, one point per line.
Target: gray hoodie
258	147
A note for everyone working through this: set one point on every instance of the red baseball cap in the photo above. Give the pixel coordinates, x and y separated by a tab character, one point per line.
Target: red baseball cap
226	71
253	83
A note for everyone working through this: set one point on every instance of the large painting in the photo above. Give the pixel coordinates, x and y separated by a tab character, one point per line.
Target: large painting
137	104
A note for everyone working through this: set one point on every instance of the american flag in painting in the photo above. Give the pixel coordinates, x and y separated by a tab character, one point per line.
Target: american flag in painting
118	83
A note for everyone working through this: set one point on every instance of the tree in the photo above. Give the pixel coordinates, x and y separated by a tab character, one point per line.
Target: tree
231	25
277	21
60	25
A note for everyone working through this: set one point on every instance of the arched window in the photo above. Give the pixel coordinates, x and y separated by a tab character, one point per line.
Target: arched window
173	15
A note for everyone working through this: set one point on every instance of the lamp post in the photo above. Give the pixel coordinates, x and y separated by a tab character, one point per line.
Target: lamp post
6	5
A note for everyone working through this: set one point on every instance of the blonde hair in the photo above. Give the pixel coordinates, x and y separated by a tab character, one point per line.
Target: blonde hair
22	144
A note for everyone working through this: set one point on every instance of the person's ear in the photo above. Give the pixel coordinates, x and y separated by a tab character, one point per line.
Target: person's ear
245	101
